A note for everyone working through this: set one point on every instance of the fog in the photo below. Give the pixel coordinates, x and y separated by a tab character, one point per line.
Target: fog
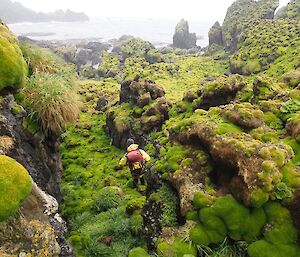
156	9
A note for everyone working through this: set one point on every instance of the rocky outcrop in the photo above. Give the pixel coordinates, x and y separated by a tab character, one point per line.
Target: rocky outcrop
182	37
215	34
142	109
248	168
216	92
36	229
39	220
37	153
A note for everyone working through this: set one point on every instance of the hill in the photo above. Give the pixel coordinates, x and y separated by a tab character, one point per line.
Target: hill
13	12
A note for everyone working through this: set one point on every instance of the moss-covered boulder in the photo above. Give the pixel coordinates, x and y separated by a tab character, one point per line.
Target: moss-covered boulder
249	168
219	91
12	65
15	186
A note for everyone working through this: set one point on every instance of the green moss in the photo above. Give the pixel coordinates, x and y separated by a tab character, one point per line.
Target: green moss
199	236
283	230
15	186
263	248
254	224
192	215
16	109
12	67
202	200
280	235
227	217
177	248
138	252
135	204
258	198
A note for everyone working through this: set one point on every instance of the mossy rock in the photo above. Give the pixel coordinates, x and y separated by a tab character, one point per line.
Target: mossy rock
138	252
12	66
15	186
177	248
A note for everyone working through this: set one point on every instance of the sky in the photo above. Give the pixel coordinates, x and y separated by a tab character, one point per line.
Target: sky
156	9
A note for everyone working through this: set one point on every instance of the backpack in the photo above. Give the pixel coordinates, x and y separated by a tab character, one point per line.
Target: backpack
135	159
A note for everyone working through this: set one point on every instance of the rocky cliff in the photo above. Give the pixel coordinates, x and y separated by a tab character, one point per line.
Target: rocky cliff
36	228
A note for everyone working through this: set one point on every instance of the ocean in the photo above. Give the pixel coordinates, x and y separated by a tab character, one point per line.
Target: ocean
158	32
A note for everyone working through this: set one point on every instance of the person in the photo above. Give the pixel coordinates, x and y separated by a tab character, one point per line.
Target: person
136	159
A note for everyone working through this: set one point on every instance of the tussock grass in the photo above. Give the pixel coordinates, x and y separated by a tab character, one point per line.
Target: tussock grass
43	60
53	100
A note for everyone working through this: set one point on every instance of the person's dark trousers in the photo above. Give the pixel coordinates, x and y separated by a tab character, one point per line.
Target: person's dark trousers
136	175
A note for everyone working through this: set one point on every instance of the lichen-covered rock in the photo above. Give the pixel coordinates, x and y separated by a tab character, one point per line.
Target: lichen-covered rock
15	186
182	37
12	66
35	229
253	168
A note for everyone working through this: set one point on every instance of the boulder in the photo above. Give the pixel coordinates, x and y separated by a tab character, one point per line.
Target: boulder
218	92
135	91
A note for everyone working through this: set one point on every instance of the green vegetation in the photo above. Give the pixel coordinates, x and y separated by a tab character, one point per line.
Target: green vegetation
226	133
245	10
267	45
12	66
99	199
43	60
15	186
53	102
